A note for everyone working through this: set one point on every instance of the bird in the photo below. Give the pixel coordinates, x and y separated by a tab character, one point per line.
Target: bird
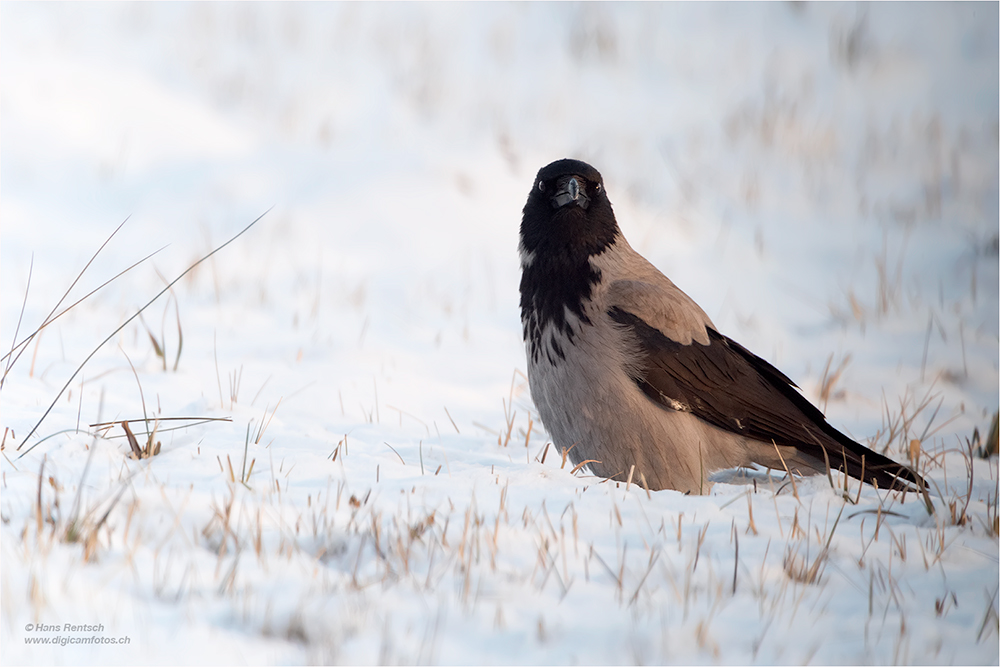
630	376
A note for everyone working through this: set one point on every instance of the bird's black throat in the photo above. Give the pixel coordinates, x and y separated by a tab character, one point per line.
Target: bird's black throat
556	274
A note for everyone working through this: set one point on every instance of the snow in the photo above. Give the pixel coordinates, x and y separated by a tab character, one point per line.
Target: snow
822	179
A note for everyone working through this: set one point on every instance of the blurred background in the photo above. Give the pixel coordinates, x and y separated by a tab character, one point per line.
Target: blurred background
822	178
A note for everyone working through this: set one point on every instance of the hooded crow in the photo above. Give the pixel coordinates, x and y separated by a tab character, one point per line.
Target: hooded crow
626	370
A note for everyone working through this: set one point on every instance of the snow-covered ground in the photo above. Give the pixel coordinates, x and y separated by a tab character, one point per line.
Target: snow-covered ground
823	179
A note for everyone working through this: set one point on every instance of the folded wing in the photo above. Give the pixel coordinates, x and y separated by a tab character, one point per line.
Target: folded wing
731	388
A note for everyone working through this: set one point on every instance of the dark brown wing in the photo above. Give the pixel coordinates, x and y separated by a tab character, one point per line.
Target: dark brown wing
728	386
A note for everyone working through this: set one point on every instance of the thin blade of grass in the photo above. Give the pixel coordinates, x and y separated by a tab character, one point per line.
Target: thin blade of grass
24	343
126	323
17	329
49	318
142	397
157	348
199	420
180	336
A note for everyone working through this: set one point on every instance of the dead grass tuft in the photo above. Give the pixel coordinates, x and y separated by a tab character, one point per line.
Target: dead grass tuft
830	379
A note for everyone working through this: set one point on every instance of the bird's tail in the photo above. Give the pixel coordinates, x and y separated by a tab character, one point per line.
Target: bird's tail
869	466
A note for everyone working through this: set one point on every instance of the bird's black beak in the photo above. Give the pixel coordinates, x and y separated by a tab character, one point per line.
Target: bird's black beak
570	191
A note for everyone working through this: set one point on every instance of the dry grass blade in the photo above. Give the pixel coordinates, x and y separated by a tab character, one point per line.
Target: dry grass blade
992	443
452	421
829	380
265	424
126	323
180	335
798	570
791	477
395	452
861	483
59	303
132	442
610	572
244	473
829	473
142	397
645	486
17	328
74	513
197	421
157	348
509	415
653	557
565	454
991	613
41	476
91	539
52	318
736	558
581	464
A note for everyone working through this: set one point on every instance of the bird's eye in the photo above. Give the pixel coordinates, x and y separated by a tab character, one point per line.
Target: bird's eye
598	188
541	186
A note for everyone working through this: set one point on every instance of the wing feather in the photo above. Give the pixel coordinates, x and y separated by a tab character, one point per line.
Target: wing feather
729	387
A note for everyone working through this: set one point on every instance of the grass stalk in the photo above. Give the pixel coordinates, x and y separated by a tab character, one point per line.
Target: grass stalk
123	325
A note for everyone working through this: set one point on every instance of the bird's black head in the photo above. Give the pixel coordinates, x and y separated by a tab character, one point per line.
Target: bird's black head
568	211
